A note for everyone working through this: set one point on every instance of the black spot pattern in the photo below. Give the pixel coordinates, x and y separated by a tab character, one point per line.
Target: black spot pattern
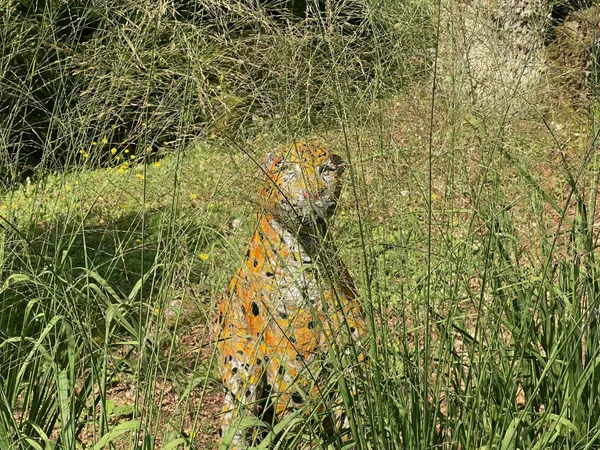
255	309
297	398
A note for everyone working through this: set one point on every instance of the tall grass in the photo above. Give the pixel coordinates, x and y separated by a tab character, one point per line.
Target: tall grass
472	232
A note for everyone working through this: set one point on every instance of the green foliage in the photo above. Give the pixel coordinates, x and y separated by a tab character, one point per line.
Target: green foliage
138	74
472	235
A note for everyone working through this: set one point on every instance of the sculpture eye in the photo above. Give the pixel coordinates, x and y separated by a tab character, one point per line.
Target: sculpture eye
327	169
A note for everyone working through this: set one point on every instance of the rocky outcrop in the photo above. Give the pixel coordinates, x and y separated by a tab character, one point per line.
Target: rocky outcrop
499	51
495	48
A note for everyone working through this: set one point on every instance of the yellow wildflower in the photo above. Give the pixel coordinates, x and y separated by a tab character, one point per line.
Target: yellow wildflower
148	149
104	140
86	155
203	256
139	241
121	169
213	136
144	124
14	206
156	163
126	150
165	143
156	311
94	143
139	175
193	196
68	187
132	157
211	205
113	151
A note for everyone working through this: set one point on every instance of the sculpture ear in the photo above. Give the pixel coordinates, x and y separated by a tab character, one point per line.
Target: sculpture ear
340	164
269	159
272	159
